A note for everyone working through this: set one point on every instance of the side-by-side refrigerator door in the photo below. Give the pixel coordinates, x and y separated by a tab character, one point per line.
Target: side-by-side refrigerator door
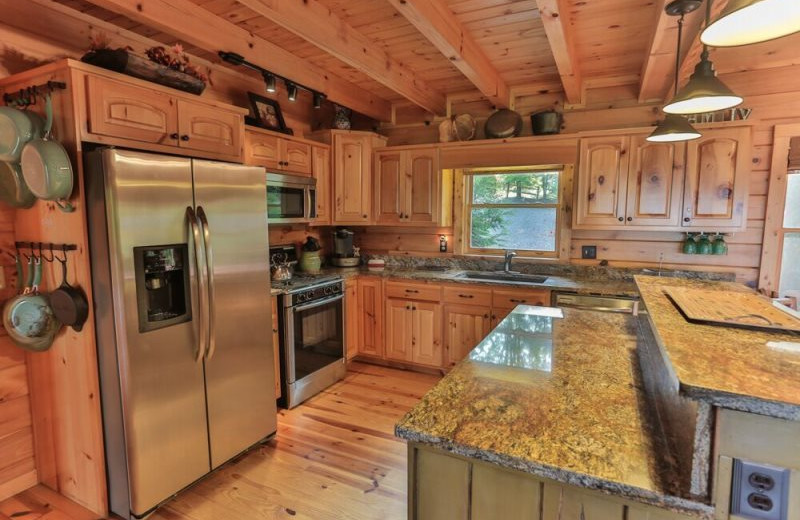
151	262
231	205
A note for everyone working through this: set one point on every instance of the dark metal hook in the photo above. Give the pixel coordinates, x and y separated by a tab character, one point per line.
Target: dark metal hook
46	259
64	251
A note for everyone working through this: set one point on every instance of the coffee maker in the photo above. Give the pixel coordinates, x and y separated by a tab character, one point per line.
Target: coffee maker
344	254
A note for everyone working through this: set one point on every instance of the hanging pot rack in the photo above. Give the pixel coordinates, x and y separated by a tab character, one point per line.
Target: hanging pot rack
26	96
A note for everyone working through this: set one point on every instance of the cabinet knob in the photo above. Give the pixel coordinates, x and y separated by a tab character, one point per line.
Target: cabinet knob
184	137
620	219
364	216
630	219
174	135
687	219
486	316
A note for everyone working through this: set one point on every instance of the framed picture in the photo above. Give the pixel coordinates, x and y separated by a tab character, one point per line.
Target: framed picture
267	113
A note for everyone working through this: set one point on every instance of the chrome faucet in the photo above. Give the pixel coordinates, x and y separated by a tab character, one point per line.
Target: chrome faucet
509	255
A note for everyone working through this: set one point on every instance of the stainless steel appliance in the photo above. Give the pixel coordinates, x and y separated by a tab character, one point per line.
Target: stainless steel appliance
312	336
178	249
291	198
344	254
592	302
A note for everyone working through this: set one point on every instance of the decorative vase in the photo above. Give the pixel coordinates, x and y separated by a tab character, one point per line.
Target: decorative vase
342	118
310	261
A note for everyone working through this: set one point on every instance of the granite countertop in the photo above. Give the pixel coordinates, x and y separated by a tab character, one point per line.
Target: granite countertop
556	283
561	399
727	367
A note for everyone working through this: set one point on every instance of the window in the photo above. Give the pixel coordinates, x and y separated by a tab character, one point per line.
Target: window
790	237
512	208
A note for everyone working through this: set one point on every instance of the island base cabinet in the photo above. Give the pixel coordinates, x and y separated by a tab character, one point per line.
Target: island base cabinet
568	503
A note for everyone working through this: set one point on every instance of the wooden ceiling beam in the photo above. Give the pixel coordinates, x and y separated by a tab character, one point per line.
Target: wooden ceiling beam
198	27
659	62
316	24
435	20
557	22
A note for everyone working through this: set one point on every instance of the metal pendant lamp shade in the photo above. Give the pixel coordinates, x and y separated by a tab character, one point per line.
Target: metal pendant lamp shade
672	129
703	93
743	22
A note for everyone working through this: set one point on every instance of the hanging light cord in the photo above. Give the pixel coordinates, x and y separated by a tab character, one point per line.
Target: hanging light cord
678	53
704	54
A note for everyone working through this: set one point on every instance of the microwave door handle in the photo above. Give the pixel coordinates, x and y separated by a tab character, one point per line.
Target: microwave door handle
311	203
194	237
318	303
211	301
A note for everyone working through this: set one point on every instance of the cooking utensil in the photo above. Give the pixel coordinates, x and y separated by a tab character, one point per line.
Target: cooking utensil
28	318
457	128
70	305
547	122
312	244
283	271
17	128
13	190
503	123
46	166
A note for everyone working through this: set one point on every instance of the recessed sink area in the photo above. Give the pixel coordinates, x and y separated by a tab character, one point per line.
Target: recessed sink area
503	277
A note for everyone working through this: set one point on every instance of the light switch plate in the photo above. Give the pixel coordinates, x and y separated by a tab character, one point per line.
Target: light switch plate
760	491
589	252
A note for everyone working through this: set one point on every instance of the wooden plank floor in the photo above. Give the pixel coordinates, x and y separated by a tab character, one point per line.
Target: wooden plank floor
335	457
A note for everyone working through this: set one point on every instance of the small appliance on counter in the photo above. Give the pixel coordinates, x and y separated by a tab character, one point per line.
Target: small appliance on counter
344	254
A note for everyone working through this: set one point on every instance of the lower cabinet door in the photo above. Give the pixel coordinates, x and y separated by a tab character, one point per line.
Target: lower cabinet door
441	487
465	327
426	333
398	323
499	493
351	317
370	317
567	503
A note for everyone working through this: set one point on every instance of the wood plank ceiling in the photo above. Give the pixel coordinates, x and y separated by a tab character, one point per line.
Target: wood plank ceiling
423	51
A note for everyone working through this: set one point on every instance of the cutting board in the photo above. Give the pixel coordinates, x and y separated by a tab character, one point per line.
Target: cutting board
731	309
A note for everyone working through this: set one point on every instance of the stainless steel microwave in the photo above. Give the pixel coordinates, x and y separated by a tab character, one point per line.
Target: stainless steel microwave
291	198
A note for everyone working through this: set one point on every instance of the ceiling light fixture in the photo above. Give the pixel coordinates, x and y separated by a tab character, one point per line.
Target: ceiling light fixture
269	81
291	91
743	22
317	100
704	92
674	127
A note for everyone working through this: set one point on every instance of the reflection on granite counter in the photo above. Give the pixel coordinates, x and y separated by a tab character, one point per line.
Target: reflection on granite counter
557	398
727	367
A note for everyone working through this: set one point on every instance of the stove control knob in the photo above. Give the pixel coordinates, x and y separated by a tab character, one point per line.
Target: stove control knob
301	297
327	290
310	295
337	289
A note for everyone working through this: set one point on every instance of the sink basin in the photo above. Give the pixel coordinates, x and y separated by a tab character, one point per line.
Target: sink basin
503	277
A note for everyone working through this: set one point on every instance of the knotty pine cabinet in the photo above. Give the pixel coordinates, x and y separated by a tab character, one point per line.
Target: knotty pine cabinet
370	316
504	301
467	320
409	187
414	331
626	182
121	109
321	171
351	317
277	152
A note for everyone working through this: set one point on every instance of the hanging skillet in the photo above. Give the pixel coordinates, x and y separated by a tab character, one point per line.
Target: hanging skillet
28	318
69	303
503	123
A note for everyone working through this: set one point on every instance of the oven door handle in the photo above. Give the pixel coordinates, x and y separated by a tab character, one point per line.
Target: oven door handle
318	303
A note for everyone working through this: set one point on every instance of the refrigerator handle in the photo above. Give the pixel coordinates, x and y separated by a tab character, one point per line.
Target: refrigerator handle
199	263
212	331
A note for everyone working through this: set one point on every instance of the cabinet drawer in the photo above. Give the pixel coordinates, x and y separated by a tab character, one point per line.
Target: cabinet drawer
467	295
413	291
508	299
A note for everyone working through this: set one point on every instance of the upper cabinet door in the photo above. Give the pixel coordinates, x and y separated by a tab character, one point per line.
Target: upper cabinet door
655	183
210	128
262	150
390	199
422	186
352	179
321	170
717	180
117	109
296	156
602	182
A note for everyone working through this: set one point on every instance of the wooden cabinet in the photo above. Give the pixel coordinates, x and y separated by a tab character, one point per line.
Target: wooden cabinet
626	181
370	316
277	153
276	347
504	301
569	503
717	169
130	112
321	171
351	325
414	331
409	188
352	173
465	327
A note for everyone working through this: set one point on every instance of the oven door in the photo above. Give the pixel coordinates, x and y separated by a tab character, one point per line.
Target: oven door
290	198
315	337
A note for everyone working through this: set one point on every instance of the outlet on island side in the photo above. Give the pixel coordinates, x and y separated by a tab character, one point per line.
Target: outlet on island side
589	252
760	491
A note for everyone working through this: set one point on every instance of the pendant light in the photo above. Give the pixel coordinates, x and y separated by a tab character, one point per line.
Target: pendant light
704	92
674	127
743	22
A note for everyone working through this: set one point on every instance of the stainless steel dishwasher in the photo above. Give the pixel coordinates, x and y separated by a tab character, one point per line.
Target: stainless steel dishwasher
592	302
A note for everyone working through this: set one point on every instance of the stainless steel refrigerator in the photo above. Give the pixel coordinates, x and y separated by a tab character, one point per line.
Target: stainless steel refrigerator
180	271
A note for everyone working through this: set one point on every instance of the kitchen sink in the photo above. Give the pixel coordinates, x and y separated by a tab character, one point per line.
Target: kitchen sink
503	277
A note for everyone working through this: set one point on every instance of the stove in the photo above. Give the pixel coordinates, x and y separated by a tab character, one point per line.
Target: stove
303	281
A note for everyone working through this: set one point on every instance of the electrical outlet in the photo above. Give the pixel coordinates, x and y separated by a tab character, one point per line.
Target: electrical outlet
760	491
589	252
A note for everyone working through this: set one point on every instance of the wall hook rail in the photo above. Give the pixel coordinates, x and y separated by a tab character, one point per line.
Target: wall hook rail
26	96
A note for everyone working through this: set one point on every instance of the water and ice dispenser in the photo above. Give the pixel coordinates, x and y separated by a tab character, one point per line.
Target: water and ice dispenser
162	286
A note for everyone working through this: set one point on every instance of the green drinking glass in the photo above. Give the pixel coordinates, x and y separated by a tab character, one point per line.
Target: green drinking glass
704	245
719	247
689	245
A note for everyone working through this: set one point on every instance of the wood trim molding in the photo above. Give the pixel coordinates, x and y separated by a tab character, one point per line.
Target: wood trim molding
316	24
557	21
435	20
769	273
181	18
